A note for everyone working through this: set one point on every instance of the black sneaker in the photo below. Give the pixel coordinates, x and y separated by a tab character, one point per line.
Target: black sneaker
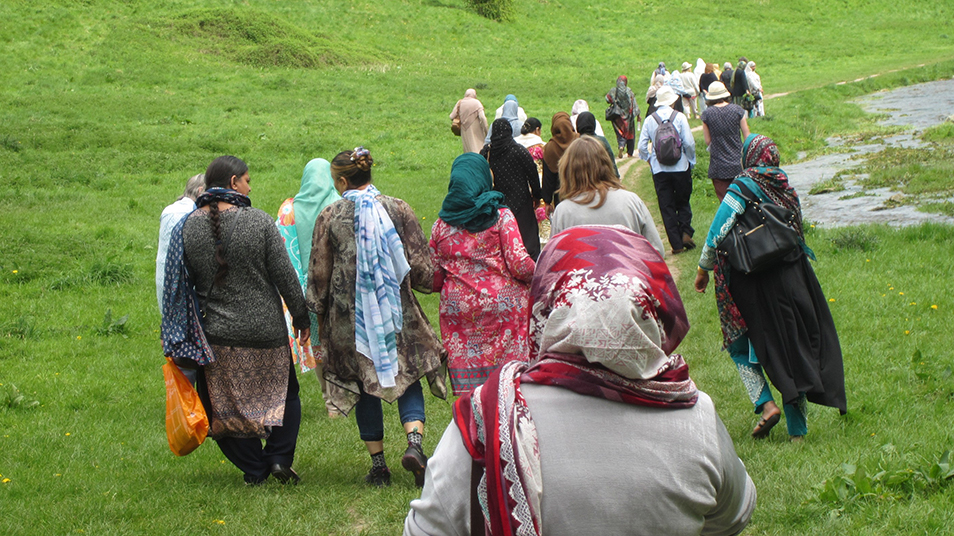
378	477
415	461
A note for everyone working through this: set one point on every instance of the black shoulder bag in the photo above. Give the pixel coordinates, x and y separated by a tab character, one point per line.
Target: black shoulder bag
762	235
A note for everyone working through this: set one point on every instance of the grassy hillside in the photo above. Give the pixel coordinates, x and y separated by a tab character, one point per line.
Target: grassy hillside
106	107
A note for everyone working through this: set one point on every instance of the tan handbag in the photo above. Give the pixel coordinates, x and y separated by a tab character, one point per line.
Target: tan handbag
455	126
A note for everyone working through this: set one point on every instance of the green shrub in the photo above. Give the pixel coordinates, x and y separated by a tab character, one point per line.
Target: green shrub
855	238
499	10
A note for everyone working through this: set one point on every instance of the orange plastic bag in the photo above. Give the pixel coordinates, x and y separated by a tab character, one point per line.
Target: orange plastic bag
186	422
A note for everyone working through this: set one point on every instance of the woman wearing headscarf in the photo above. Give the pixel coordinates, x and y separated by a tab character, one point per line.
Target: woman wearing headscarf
586	126
227	264
511	112
776	320
483	273
561	135
606	319
515	176
579	107
625	113
368	252
593	195
296	224
723	128
473	123
521	114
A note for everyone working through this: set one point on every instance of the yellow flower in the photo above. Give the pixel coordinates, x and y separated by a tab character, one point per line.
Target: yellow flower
220	522
890	288
67	433
913	303
78	337
867	260
900	294
16	271
5	480
831	299
907	332
883	295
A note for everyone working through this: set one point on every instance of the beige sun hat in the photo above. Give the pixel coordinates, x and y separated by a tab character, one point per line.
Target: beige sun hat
686	65
665	96
717	91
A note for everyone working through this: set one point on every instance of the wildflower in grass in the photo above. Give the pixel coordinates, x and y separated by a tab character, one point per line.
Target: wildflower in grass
79	337
907	332
914	303
16	271
831	299
900	294
220	522
67	433
5	480
932	307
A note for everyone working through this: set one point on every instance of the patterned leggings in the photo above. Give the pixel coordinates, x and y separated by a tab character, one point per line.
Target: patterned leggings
750	370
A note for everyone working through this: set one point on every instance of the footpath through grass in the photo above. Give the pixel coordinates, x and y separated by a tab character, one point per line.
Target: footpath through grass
107	107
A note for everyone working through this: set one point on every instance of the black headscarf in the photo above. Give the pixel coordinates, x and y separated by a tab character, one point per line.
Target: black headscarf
586	124
501	137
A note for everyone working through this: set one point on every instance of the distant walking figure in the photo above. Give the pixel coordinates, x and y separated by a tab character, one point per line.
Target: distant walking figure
473	123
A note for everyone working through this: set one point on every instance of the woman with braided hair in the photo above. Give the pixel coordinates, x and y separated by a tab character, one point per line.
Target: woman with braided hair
368	252
776	319
236	259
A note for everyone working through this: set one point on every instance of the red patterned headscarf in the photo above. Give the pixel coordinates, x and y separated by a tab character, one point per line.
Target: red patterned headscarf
606	317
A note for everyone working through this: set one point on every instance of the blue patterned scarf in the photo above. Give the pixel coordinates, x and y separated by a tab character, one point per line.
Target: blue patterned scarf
381	268
182	333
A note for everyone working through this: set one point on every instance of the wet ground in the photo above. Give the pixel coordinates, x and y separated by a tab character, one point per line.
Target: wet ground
916	107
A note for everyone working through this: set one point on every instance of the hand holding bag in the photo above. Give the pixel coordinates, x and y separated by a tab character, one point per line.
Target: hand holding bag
762	235
186	421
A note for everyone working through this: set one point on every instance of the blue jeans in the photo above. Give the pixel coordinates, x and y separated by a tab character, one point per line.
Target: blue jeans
370	416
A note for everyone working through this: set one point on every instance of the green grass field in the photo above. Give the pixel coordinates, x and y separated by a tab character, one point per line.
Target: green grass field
107	107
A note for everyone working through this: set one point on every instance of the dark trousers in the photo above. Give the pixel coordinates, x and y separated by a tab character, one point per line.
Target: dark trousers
247	453
673	189
629	144
370	415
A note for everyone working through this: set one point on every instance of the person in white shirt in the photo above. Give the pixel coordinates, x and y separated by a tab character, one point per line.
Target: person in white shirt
169	218
690	82
673	182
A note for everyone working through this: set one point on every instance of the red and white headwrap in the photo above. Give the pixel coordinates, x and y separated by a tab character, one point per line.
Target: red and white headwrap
605	319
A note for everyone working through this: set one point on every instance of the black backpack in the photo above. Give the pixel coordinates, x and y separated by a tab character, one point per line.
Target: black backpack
668	143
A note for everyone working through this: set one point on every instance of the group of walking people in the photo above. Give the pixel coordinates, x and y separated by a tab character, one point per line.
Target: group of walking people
536	338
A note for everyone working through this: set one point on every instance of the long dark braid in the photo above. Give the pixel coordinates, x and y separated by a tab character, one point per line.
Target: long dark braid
219	175
219	248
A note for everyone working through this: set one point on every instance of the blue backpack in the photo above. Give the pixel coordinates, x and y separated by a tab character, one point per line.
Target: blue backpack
668	143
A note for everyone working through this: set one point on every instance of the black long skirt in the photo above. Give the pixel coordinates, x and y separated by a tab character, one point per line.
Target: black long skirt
792	331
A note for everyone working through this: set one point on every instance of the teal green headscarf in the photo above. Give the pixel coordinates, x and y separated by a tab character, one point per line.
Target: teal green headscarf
317	192
471	202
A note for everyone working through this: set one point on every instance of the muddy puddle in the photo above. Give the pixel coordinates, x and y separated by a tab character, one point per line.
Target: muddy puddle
917	107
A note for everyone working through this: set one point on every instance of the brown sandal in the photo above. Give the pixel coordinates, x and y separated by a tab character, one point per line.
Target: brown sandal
765	426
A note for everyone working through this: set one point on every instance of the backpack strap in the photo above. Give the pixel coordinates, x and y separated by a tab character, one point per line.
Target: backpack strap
656	117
